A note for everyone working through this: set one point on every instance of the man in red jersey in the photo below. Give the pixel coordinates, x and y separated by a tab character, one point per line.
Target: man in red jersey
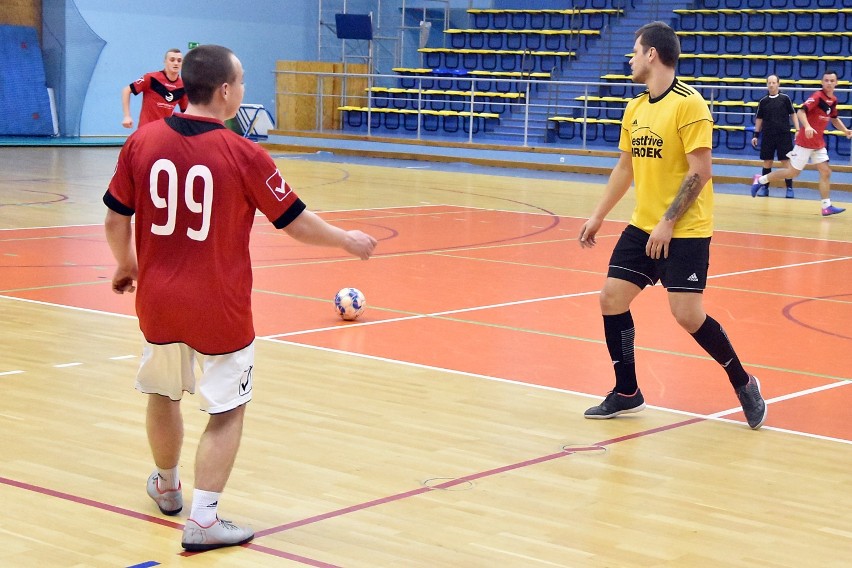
815	114
194	187
161	91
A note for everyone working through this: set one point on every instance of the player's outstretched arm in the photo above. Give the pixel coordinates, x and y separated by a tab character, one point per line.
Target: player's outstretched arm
310	229
120	239
618	184
127	121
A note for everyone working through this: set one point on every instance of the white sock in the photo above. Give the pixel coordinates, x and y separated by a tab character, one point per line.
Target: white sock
826	203
204	506
763	180
169	479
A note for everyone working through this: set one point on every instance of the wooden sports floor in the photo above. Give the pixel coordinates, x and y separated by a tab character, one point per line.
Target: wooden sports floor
444	428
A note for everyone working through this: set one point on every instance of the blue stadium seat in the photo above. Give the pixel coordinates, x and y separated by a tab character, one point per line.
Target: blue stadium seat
779	21
758	68
518	21
734	44
733	22
481	21
500	21
809	69
538	21
735	68
756	22
689	43
833	45
431	123
782	44
393	120
709	43
710	22
806	45
757	44
688	22
736	139
411	122
829	21
450	123
803	21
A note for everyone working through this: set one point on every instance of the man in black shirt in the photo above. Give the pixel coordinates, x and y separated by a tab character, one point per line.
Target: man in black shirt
774	112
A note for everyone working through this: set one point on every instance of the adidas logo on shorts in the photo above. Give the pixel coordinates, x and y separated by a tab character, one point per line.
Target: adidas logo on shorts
693	277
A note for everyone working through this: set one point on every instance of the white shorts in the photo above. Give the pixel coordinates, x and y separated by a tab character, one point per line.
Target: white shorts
169	370
800	157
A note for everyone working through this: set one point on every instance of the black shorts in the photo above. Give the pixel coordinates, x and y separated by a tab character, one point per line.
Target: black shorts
685	270
776	145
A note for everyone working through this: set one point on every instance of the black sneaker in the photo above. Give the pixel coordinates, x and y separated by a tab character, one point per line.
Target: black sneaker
615	404
752	402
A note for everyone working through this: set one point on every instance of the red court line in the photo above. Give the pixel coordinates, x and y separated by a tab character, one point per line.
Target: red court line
90	503
354	508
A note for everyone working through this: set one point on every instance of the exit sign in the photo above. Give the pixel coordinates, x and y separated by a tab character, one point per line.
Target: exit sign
192	45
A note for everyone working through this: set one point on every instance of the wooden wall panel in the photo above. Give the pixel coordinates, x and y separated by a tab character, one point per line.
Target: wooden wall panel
298	96
21	13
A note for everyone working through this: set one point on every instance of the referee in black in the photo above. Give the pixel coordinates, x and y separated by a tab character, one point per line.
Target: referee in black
774	113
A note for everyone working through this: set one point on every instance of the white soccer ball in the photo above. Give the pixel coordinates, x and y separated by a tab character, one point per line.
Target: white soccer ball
349	303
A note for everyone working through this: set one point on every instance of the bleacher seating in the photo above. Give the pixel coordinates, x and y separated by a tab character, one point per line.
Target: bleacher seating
506	56
492	19
493	59
545	40
766	20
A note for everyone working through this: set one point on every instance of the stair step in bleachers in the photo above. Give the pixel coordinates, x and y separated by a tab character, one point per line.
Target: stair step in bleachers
738	65
547	40
439	99
773	43
495	19
768	4
727	137
736	86
430	121
465	80
765	20
493	59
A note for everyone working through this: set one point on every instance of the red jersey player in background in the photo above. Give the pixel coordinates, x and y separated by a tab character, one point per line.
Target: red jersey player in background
161	91
194	186
814	115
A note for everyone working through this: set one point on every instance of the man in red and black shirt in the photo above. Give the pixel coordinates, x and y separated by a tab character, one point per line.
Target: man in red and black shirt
161	91
814	116
194	186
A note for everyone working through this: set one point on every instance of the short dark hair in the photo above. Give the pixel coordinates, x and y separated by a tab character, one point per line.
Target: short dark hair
172	50
831	72
663	38
205	69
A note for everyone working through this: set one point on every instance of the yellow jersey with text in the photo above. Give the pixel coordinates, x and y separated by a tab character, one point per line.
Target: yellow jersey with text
658	134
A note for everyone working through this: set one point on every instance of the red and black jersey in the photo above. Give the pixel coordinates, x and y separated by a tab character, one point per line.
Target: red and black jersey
820	109
194	187
160	96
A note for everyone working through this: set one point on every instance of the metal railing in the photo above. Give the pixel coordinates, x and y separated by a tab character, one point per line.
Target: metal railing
532	110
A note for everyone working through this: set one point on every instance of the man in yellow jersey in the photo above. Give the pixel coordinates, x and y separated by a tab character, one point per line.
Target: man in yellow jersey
666	137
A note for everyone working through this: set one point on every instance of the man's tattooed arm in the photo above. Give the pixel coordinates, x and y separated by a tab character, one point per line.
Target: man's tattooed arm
686	196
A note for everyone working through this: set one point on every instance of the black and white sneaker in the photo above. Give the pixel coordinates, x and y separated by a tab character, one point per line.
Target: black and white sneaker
615	404
752	402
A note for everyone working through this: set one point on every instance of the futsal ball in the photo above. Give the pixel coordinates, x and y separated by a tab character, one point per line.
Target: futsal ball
349	303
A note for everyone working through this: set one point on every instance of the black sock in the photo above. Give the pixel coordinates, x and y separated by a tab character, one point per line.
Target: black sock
620	335
789	183
713	339
766	171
